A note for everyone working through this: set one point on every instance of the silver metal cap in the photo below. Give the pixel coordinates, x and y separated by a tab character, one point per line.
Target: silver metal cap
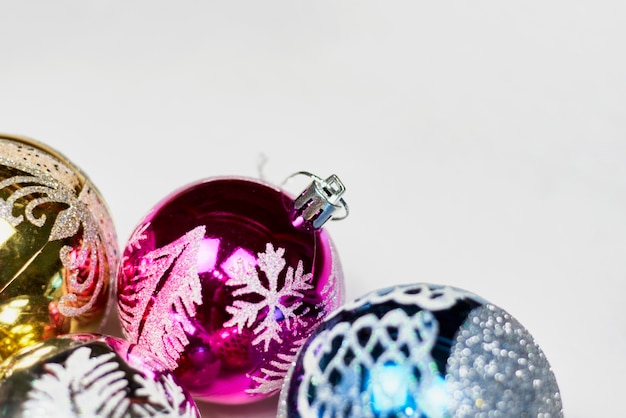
320	202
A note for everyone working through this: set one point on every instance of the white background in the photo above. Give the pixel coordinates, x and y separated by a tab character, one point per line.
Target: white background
482	143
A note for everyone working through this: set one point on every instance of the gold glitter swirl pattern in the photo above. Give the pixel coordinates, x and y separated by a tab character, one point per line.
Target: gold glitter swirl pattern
58	247
67	224
26	157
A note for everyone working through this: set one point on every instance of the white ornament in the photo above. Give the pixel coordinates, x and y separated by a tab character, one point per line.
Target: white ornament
88	387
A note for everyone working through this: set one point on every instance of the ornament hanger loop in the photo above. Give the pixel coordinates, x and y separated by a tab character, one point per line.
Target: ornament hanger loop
319	201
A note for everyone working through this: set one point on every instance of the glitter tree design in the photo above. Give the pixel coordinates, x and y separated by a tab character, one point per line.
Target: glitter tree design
271	378
179	293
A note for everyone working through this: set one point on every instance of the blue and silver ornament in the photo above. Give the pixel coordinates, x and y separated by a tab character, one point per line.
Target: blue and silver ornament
420	350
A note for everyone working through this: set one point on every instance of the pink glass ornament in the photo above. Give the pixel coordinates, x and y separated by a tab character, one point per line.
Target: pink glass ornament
225	279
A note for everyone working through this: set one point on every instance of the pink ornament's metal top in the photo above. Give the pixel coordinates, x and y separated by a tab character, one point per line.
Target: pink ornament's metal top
223	281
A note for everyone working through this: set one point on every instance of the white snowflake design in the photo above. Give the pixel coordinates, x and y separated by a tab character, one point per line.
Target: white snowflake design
244	313
86	386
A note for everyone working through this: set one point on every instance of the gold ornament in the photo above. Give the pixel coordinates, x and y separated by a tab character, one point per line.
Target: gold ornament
58	247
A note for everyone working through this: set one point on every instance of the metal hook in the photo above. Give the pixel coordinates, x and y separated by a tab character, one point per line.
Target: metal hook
319	201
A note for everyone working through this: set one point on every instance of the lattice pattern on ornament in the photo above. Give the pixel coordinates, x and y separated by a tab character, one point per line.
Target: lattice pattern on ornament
425	295
371	368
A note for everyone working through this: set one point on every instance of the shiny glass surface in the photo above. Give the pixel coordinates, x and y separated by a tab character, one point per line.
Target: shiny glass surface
57	247
219	282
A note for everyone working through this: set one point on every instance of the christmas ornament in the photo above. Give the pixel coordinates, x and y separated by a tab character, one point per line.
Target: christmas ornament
57	247
90	375
224	279
420	350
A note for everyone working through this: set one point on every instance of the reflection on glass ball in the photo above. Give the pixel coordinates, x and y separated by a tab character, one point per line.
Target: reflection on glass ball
58	248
